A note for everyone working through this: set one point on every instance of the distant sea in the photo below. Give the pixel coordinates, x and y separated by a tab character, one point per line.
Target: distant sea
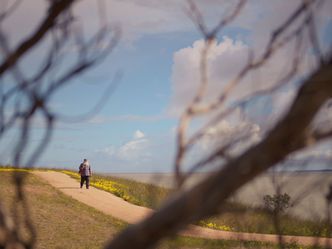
307	189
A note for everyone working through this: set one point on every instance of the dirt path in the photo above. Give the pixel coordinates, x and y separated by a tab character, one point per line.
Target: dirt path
122	210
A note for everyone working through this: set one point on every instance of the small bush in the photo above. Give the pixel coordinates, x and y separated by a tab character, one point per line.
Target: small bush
277	203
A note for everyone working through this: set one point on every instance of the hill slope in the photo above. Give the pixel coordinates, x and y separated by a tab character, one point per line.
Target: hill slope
60	221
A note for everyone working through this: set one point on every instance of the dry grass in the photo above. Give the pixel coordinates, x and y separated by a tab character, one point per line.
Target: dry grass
236	217
60	221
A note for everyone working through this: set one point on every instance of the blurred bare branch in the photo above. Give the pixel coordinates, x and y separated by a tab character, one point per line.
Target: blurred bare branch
98	106
291	30
27	98
57	8
290	134
204	199
190	111
197	18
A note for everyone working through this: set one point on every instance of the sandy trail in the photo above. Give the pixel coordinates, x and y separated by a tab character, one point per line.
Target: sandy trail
122	210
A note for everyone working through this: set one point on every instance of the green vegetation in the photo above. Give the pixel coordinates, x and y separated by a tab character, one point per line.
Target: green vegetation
141	194
186	243
277	203
62	222
255	220
236	217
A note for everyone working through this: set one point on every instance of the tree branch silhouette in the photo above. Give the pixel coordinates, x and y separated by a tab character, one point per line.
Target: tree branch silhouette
205	199
27	98
291	133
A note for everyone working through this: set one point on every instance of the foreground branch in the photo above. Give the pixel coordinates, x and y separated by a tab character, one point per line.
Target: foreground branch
55	10
289	135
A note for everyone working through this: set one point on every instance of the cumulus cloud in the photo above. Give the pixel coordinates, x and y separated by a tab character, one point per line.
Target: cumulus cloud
225	60
230	54
318	156
141	153
226	133
138	134
134	150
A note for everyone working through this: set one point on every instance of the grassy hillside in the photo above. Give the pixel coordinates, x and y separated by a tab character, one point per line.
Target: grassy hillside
62	222
236	217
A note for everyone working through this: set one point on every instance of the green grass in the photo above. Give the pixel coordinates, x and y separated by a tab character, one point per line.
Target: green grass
146	195
187	243
255	220
236	217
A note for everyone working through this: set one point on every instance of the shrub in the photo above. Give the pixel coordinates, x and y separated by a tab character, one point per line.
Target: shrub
277	203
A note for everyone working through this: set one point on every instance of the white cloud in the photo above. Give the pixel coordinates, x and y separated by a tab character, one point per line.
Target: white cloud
323	120
225	60
138	134
315	157
135	150
327	153
225	133
110	150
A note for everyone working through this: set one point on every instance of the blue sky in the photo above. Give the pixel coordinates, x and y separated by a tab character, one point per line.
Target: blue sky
157	57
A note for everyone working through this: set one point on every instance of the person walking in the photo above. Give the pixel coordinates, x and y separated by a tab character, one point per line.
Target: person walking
85	172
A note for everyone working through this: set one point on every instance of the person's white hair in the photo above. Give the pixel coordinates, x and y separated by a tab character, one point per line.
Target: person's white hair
86	162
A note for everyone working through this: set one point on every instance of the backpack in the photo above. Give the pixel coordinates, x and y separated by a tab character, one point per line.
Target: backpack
81	168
